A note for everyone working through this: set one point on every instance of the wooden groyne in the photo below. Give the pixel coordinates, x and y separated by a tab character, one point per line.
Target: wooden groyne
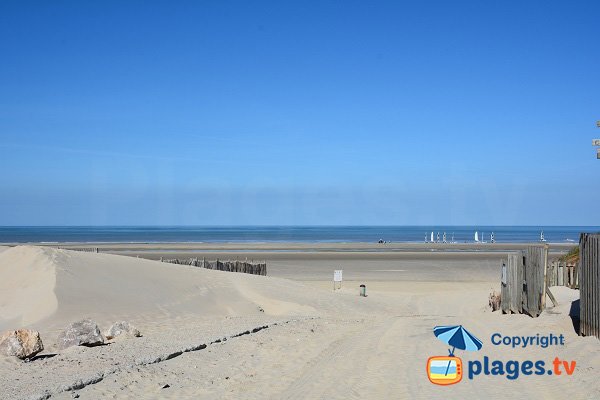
84	249
244	267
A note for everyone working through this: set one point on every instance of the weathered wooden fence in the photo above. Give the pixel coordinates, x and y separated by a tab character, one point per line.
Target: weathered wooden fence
561	273
512	284
524	281
85	249
534	286
230	266
589	284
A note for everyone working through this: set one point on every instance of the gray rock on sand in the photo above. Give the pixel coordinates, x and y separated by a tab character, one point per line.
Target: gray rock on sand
22	343
81	333
122	327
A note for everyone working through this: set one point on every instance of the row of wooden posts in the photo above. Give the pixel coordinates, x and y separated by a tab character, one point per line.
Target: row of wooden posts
527	277
230	266
561	273
84	249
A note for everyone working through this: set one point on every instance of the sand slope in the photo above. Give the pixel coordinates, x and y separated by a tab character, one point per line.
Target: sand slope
27	281
45	289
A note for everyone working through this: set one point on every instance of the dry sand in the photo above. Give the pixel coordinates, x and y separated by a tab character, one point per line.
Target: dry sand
315	343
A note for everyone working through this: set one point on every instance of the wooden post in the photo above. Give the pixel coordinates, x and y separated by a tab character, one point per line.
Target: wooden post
535	280
505	289
545	266
523	258
549	293
576	277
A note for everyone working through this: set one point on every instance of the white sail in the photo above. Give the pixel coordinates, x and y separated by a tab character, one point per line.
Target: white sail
476	236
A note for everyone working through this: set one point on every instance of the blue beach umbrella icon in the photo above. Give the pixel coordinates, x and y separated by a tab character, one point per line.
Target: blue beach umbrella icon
457	337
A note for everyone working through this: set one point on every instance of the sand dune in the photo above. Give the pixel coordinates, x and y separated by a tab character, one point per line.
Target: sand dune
27	281
45	289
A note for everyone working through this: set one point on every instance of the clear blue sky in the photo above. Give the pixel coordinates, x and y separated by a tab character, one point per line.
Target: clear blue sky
422	112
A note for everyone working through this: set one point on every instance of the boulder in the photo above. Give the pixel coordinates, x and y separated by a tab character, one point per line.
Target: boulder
22	343
81	333
120	328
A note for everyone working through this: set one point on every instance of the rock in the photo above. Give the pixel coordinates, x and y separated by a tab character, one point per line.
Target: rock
81	333
122	327
22	343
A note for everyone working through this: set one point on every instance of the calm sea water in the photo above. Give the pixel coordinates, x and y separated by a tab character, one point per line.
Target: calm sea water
415	234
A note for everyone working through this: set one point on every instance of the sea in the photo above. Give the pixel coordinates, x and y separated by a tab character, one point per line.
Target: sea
304	234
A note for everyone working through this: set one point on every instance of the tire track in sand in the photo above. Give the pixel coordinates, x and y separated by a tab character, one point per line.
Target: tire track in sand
351	367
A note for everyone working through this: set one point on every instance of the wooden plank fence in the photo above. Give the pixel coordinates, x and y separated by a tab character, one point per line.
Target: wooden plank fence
561	273
589	284
512	284
534	286
230	266
524	281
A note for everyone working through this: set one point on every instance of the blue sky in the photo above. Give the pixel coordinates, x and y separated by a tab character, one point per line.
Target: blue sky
299	112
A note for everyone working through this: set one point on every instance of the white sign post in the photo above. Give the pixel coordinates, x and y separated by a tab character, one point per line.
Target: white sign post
337	277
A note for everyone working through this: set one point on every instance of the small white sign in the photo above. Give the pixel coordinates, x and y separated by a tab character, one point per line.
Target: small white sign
595	142
337	275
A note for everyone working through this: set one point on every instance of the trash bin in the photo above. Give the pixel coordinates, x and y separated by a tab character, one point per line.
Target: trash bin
363	290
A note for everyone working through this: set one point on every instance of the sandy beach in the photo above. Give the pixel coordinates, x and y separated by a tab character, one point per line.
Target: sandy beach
309	341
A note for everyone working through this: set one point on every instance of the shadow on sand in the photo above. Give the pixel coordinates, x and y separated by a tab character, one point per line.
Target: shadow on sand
574	314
